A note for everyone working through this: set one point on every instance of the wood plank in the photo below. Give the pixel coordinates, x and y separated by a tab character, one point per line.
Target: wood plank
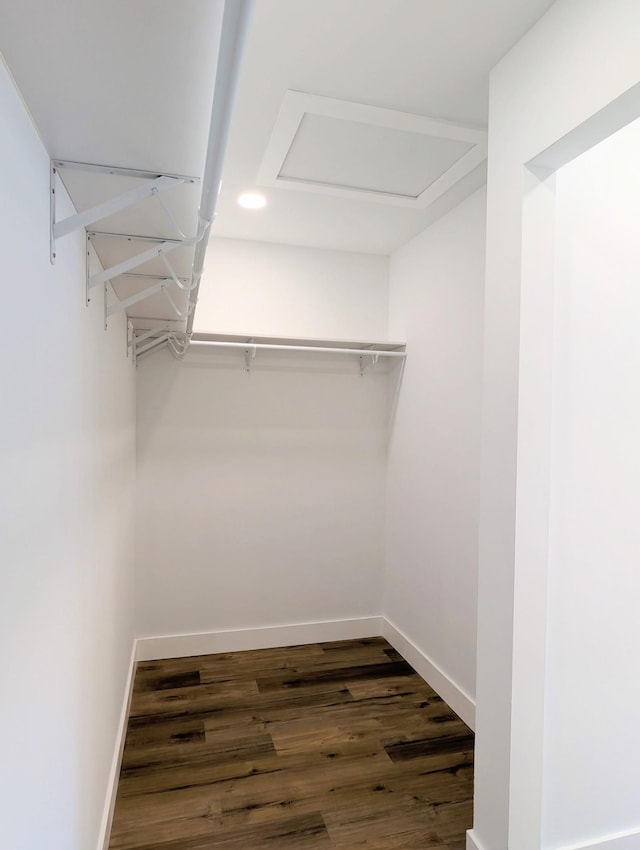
333	746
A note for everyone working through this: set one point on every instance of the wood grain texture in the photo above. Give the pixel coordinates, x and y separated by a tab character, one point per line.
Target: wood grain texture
333	746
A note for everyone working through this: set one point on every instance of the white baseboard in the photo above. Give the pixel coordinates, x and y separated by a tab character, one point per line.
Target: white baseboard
618	841
114	774
473	842
463	705
235	640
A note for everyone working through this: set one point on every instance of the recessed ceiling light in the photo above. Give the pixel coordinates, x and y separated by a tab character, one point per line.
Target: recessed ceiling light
252	200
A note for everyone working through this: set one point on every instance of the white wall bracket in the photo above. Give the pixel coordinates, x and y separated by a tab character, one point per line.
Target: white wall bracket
130	338
164	247
159	249
161	286
363	364
154	184
101	279
147	340
249	354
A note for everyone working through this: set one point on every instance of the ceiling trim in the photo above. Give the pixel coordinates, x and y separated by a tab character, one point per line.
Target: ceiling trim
296	105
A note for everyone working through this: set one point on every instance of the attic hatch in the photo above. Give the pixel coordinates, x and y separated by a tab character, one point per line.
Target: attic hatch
354	150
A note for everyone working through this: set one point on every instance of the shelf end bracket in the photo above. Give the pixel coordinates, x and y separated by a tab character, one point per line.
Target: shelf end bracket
249	354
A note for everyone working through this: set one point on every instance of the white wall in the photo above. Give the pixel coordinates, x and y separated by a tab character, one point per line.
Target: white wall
67	431
576	61
285	290
261	495
436	299
593	681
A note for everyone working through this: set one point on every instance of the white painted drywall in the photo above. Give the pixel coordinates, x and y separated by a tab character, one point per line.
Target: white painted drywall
580	57
67	432
261	495
592	735
285	290
436	304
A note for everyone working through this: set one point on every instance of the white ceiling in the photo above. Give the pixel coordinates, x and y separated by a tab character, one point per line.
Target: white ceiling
124	82
427	57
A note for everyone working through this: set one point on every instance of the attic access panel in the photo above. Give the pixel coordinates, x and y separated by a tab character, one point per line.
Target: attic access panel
353	150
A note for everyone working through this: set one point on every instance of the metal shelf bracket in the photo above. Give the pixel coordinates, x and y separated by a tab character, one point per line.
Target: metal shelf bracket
159	249
364	365
143	342
154	184
249	354
164	247
154	289
131	335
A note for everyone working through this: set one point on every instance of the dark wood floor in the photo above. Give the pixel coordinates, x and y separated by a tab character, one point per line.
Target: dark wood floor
334	745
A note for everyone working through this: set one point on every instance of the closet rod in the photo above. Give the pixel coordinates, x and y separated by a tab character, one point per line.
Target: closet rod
262	346
236	17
